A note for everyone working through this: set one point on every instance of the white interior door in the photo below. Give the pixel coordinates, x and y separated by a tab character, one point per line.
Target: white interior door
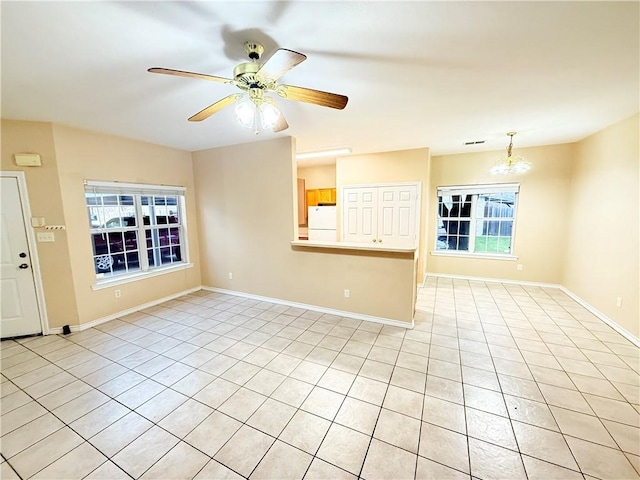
20	314
397	215
360	214
381	213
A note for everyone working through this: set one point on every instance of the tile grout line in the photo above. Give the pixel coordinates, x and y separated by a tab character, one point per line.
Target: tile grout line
551	412
388	383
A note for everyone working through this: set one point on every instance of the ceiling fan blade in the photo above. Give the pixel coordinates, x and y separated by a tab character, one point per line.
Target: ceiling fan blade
317	97
280	125
216	107
180	73
280	63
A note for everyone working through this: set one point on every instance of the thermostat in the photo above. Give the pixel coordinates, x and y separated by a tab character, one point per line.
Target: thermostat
28	159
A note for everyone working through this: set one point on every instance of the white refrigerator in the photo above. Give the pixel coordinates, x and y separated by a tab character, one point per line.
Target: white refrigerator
323	224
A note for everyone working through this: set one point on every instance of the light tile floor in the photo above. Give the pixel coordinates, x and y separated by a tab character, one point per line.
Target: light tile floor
494	381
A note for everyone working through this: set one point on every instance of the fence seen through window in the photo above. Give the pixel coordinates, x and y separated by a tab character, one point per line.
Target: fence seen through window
477	219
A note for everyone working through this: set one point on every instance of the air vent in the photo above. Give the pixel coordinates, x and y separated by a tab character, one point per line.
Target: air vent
474	142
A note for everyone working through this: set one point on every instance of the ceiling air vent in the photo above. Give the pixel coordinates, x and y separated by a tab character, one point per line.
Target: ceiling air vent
474	142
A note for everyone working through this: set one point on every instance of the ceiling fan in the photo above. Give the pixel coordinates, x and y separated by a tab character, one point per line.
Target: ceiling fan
256	79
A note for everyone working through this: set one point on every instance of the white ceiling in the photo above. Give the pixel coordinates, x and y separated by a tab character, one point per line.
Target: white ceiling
417	74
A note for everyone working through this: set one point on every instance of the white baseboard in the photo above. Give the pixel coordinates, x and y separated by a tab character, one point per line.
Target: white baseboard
359	316
493	280
113	316
617	327
315	308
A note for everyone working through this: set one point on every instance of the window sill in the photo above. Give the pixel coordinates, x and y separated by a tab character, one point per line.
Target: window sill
488	256
134	277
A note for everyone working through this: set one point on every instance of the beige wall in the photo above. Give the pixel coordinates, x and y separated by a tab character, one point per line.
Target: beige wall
243	234
398	166
56	192
318	176
542	215
233	229
85	155
45	200
602	256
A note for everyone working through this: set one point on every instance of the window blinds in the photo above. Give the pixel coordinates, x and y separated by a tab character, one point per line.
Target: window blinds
121	188
478	189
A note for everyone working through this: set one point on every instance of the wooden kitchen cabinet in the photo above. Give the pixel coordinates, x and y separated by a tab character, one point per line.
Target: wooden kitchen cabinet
327	195
321	195
312	198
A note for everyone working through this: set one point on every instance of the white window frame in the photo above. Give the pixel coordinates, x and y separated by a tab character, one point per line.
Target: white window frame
138	190
474	191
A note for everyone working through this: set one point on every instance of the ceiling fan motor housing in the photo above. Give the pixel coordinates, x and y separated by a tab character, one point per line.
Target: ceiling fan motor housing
245	75
254	50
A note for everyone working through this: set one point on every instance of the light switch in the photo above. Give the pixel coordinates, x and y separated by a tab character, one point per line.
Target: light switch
46	237
37	222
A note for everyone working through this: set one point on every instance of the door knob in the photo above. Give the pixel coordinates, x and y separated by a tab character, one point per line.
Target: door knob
374	240
380	241
22	255
23	266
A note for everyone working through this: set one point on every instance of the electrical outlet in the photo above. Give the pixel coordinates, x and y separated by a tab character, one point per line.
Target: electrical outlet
45	237
519	267
230	276
117	293
346	294
619	302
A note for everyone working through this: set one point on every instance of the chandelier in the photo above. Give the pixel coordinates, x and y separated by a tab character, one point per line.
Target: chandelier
510	164
255	105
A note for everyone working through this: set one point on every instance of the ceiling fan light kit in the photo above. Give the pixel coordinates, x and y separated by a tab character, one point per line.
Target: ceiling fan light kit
245	113
255	79
269	114
510	164
255	105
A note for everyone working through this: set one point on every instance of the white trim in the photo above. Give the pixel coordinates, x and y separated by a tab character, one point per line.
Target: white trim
113	316
134	277
315	308
384	184
475	219
617	327
458	253
351	246
478	188
133	188
33	247
492	280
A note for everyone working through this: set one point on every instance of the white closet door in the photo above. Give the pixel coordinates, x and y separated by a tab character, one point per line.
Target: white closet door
360	214
384	213
397	207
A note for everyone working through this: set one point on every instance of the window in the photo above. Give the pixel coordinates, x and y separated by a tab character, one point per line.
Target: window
135	228
477	219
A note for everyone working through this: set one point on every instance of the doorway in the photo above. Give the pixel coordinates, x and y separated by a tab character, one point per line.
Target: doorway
22	302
